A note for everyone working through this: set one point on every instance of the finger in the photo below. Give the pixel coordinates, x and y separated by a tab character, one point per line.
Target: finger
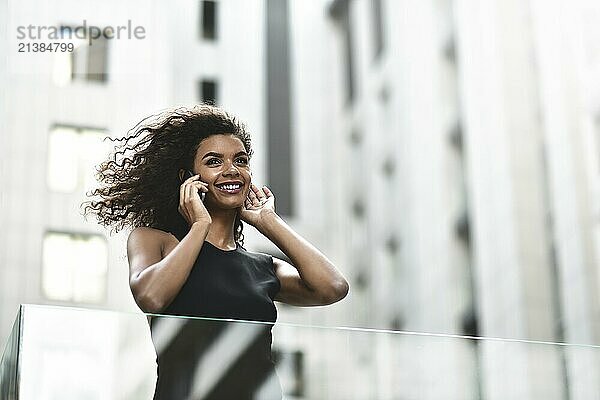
200	186
183	201
203	186
192	178
253	198
255	189
267	191
188	193
259	193
181	193
195	190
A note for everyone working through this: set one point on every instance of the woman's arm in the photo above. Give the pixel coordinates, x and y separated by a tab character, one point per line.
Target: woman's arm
157	273
159	265
311	279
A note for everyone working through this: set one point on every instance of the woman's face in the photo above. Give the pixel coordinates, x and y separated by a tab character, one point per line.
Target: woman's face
222	162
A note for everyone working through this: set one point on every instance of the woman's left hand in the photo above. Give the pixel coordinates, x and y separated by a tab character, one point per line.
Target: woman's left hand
259	203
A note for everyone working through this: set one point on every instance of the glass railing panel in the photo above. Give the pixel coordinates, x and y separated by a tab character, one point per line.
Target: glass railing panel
89	354
9	372
70	353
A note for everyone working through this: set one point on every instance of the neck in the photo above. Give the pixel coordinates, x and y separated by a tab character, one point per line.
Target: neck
221	232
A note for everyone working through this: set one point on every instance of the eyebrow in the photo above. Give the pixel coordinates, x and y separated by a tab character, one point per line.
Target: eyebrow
219	155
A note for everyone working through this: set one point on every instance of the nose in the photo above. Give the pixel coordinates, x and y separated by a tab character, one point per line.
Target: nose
231	170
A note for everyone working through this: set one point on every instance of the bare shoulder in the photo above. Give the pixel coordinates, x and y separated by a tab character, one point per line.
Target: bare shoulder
151	236
148	245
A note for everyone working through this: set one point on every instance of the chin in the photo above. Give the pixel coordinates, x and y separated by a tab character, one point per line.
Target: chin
229	205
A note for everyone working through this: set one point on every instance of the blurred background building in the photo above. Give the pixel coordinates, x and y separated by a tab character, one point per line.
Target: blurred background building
445	154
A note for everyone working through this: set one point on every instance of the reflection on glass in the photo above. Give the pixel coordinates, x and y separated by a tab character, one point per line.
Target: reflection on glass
74	354
214	359
9	372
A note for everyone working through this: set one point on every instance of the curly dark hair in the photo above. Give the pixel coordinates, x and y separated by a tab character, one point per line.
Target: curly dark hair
139	183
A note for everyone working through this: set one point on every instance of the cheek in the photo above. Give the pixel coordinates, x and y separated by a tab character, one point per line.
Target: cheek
205	173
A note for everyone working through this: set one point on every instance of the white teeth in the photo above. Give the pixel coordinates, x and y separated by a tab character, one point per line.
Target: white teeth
231	187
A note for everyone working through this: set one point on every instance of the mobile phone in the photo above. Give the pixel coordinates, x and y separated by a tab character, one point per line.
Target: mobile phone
188	174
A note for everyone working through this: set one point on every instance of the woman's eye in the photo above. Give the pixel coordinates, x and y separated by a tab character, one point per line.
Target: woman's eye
242	161
212	161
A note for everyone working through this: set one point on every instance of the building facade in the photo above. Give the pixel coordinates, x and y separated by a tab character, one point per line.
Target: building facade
444	154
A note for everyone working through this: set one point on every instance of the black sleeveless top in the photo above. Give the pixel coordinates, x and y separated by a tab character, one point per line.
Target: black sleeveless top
230	284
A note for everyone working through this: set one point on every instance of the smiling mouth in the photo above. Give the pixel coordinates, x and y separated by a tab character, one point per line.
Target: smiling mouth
231	188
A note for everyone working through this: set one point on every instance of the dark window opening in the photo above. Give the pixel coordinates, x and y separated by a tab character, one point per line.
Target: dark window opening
384	94
470	323
392	244
450	49
355	138
291	366
389	167
208	28
208	91
361	280
340	12
397	323
456	136
358	208
463	227
378	29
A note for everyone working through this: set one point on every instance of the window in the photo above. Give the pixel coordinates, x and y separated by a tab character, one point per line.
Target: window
358	208
378	37
361	279
356	175
208	27
290	369
389	167
456	135
450	49
470	322
462	226
74	267
397	323
87	62
355	138
208	91
340	12
72	155
385	94
392	244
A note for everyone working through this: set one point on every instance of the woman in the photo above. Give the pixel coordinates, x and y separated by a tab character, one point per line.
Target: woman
186	254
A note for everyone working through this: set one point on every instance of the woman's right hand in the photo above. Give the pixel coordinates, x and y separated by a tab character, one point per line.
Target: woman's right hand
190	204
